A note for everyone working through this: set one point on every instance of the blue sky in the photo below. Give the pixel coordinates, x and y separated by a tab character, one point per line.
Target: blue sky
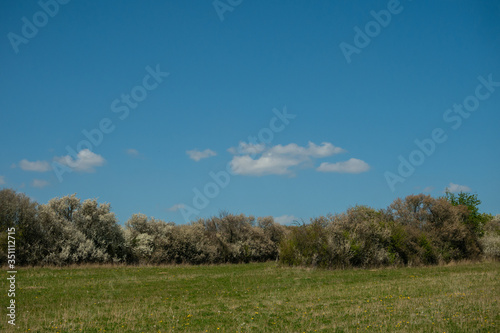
300	108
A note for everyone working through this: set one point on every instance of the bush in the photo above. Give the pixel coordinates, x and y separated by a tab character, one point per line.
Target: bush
357	238
439	229
18	211
413	231
224	239
490	242
306	245
98	224
64	231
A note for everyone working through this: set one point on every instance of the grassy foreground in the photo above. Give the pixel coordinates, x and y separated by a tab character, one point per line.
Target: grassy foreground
255	298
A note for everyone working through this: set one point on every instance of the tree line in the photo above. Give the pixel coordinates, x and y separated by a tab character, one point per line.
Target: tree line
416	230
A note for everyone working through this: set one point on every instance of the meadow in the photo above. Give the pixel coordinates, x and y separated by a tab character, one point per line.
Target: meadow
255	297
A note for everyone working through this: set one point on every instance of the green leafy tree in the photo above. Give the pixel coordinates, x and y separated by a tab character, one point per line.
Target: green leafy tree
475	220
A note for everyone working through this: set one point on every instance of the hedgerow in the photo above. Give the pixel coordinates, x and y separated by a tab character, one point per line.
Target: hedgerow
416	230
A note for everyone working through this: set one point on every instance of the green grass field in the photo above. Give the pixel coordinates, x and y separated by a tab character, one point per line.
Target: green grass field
255	298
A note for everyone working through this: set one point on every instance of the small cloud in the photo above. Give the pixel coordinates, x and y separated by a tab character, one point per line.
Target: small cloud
285	219
177	207
352	165
197	155
13	166
2	180
455	188
37	166
85	161
39	183
428	189
132	152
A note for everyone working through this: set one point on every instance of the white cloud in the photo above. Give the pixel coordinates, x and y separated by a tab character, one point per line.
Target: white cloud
86	161
312	150
132	152
2	180
352	165
455	188
197	155
264	165
285	219
276	160
177	207
39	183
38	166
428	189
